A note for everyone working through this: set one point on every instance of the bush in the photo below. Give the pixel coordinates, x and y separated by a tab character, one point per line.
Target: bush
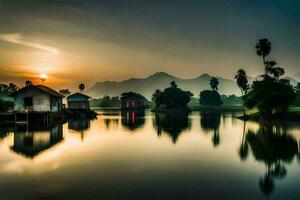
173	97
270	95
4	105
210	98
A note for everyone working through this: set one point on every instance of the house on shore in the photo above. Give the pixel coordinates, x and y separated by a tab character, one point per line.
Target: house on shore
37	98
78	101
131	101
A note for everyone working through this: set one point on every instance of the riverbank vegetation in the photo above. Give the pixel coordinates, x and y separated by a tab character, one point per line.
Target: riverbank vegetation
106	101
211	97
272	95
171	99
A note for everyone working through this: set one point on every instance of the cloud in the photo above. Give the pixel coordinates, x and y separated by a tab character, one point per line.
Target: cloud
16	38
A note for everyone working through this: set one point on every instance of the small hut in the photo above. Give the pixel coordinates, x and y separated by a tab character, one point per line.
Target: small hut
78	101
131	100
37	98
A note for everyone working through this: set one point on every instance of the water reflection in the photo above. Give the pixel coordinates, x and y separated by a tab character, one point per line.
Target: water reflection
133	119
109	122
171	124
244	147
32	140
211	122
273	146
79	125
5	129
152	165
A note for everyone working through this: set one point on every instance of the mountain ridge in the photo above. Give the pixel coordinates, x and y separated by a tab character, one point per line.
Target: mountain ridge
160	80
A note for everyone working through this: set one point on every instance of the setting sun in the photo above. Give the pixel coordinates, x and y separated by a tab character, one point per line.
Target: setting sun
141	99
43	77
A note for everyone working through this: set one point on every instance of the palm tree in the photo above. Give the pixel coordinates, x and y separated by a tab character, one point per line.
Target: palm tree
173	85
214	82
275	71
81	87
242	82
263	49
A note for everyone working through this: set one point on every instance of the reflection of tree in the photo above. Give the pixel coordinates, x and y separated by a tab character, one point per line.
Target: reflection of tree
275	148
5	130
244	148
133	119
211	122
171	124
110	122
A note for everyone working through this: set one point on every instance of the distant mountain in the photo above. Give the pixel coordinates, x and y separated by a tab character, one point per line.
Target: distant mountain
160	80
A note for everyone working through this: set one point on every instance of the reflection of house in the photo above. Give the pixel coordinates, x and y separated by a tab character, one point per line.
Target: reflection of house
79	124
32	142
131	100
37	98
78	101
133	119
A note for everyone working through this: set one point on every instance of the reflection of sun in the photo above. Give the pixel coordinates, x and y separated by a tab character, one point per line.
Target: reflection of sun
43	77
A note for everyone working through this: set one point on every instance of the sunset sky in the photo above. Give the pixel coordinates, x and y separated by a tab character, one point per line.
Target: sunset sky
75	41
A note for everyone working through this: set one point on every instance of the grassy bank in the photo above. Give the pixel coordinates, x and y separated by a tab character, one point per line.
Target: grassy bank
292	115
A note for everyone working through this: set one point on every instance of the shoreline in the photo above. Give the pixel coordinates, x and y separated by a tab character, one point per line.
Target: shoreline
279	117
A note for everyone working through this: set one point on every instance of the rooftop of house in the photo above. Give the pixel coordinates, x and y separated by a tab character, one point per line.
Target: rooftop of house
78	97
42	88
132	95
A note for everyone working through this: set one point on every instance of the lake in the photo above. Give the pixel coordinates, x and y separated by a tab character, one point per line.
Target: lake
141	155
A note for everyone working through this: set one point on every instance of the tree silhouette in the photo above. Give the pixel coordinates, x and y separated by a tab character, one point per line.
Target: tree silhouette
65	92
242	82
155	98
172	97
263	49
81	87
12	88
214	82
270	96
28	83
173	85
210	98
276	72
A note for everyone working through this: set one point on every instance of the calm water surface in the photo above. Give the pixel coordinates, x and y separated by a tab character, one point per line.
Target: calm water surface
148	156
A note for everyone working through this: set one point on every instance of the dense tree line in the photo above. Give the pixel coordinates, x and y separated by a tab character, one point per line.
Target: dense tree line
211	97
106	101
171	97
